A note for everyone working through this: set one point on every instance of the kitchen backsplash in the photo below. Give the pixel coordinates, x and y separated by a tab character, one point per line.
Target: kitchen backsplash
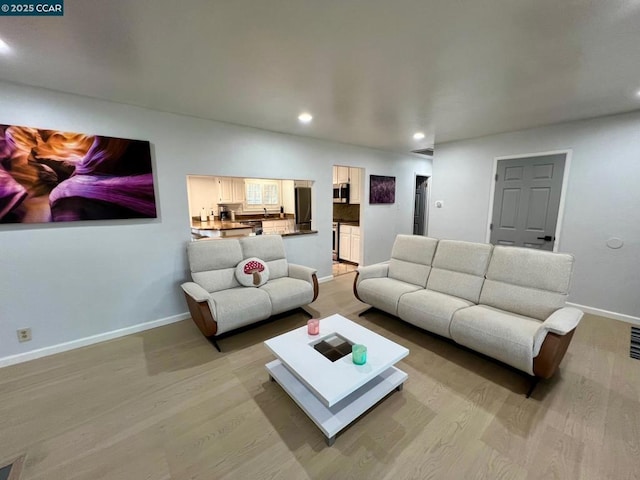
343	212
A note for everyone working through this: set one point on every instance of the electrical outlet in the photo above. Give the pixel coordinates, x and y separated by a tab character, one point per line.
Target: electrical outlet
24	334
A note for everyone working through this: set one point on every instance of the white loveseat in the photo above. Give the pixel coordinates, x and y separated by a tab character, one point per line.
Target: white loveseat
505	302
218	303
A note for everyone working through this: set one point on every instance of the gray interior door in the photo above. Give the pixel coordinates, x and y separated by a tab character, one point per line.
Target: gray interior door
527	200
419	210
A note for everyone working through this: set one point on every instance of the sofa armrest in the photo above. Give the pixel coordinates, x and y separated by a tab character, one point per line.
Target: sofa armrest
560	322
377	270
301	272
198	302
195	291
307	274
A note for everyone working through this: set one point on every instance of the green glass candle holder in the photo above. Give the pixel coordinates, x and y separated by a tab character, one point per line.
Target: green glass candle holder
359	354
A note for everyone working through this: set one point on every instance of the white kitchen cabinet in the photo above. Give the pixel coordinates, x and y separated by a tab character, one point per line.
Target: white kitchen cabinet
355	244
344	252
349	243
225	190
238	190
355	178
230	190
342	174
279	227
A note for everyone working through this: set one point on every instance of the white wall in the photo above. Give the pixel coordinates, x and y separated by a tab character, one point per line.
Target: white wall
76	280
603	200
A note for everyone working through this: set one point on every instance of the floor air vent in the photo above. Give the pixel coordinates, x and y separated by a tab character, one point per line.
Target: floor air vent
635	342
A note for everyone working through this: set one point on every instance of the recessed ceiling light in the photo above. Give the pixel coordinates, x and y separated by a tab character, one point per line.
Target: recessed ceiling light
305	117
418	136
4	48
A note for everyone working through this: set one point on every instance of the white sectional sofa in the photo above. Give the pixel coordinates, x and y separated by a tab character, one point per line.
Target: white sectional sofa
217	301
505	302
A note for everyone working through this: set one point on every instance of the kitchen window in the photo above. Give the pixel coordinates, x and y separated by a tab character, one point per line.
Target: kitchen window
260	194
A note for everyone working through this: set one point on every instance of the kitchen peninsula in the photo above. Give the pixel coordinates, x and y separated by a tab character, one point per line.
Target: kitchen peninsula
243	227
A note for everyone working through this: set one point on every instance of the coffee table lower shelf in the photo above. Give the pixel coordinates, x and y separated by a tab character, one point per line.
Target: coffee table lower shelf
331	420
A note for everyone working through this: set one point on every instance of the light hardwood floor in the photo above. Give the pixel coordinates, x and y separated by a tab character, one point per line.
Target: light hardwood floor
342	268
164	404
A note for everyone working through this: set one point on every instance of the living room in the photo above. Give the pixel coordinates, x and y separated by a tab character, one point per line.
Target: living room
79	284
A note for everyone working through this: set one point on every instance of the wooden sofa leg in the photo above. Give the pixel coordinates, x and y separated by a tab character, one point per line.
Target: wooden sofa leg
534	383
214	343
365	311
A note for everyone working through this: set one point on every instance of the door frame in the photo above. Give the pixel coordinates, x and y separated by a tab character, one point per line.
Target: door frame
563	193
427	200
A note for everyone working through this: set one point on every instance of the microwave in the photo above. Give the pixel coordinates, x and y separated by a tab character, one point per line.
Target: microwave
340	193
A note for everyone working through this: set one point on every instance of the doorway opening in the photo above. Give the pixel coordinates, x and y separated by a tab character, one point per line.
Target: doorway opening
348	193
420	206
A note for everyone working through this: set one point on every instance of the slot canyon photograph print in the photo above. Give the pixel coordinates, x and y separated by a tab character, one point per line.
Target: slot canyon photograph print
382	189
54	176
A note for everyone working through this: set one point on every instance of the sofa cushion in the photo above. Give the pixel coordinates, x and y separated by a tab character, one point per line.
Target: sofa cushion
288	293
384	293
252	272
505	336
213	263
236	307
458	268
430	310
269	248
531	268
411	259
529	302
526	281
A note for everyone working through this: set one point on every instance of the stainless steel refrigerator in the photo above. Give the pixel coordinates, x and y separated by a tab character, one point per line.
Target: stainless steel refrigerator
303	208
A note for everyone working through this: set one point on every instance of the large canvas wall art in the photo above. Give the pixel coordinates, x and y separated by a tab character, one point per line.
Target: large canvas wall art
382	189
54	176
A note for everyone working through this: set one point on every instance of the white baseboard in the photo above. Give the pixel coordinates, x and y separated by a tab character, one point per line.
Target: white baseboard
325	279
83	342
605	313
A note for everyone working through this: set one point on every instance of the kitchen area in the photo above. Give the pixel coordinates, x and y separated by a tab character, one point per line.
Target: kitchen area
222	207
347	239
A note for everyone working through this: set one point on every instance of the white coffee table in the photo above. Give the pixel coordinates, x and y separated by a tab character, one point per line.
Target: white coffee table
334	394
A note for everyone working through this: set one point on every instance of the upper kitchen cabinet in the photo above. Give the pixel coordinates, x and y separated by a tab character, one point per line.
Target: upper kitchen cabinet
340	174
355	189
230	190
238	190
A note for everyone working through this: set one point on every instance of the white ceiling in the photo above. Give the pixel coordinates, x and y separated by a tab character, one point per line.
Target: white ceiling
371	72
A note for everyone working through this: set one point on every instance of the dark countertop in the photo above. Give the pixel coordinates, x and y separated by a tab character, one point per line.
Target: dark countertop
229	225
291	234
218	225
